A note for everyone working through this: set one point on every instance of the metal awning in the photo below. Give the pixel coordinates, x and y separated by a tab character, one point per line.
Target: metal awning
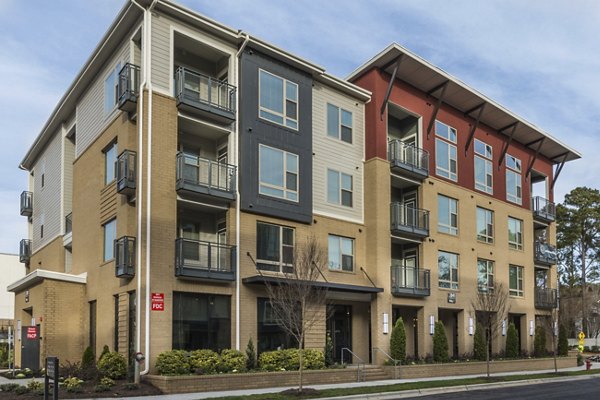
338	287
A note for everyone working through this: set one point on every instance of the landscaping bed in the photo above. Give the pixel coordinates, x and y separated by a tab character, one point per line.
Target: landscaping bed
87	390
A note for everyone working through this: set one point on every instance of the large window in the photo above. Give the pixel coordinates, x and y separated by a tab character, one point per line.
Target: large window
201	321
485	225
274	247
341	253
515	233
515	280
447	270
110	163
278	171
110	234
339	188
485	275
278	100
483	167
111	90
445	151
514	192
339	123
447	215
271	336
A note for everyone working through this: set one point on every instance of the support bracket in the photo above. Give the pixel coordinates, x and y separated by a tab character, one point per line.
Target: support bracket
390	85
508	141
537	152
439	102
474	126
559	169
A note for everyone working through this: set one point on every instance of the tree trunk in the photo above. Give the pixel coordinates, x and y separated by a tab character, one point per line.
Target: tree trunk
300	357
487	354
584	327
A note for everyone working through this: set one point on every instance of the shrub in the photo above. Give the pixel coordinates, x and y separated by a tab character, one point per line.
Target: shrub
539	342
20	375
328	351
72	384
563	342
9	387
232	360
586	349
101	388
113	365
595	349
512	342
204	361
440	343
313	359
131	386
35	386
479	346
88	359
21	390
106	381
105	351
70	369
398	341
579	360
250	355
278	360
173	362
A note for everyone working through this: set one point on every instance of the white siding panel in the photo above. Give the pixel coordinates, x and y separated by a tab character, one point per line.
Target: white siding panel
161	53
335	154
69	157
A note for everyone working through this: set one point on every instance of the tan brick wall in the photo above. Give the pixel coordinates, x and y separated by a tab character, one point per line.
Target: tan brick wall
51	257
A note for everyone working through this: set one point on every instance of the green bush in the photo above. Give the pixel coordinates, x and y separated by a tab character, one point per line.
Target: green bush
398	341
173	362
113	365
35	386
595	349
105	351
313	359
563	342
204	362
106	381
20	375
512	342
579	360
539	342
250	355
21	390
440	343
88	359
101	388
479	345
289	360
232	361
131	386
72	384
328	351
9	387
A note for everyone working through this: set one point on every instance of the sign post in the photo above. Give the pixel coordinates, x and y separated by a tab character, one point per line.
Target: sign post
581	337
51	375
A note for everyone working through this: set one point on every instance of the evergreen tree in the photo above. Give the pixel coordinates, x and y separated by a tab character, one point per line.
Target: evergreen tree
250	355
563	342
479	352
88	359
512	342
440	343
539	342
398	341
328	352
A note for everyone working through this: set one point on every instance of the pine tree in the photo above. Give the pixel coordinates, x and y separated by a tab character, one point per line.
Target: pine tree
328	351
563	342
512	342
479	352
250	355
440	343
398	341
539	342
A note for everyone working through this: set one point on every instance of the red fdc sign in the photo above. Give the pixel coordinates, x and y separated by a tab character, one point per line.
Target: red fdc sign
31	332
158	302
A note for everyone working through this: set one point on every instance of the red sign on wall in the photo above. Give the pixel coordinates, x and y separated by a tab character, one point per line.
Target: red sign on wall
31	332
158	302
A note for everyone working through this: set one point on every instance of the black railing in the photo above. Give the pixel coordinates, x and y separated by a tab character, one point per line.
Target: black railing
125	257
199	89
68	223
408	157
128	87
410	281
26	203
25	251
546	298
543	209
126	172
408	219
196	171
201	259
545	253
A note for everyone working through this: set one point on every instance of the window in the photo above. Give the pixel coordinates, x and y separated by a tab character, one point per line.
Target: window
447	270
110	163
339	123
514	192
483	167
485	275
339	188
341	253
111	93
274	247
515	233
447	215
110	234
42	222
278	171
270	335
445	151
201	321
278	100
515	280
485	225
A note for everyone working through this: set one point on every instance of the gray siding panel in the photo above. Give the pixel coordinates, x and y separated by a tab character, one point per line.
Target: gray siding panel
161	53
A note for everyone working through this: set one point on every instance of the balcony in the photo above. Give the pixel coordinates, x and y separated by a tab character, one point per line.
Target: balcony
25	251
543	210
205	180
198	259
205	96
126	172
409	221
408	160
128	88
546	299
125	257
26	203
545	254
409	281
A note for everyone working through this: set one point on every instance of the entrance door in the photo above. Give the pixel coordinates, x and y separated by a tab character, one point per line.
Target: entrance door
410	265
221	251
409	200
339	325
30	347
221	172
191	247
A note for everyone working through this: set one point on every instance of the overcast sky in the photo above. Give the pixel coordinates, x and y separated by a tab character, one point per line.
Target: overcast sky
539	58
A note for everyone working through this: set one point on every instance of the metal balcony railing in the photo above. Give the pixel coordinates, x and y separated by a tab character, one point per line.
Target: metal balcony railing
126	172
128	87
543	209
410	281
68	223
125	257
25	251
408	158
204	260
409	220
26	203
545	253
546	298
205	176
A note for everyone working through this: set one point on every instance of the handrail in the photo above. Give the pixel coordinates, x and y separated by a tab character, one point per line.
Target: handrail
361	362
396	362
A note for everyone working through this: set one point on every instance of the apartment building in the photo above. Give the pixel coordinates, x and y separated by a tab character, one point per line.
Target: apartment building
188	160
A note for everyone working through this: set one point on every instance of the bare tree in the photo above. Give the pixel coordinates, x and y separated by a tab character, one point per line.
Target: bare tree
551	325
491	307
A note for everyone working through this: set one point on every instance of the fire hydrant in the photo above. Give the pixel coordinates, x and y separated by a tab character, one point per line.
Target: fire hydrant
588	364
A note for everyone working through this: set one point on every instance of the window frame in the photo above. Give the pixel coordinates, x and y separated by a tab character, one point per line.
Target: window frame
448	229
284	189
518	244
514	168
285	99
340	188
489	225
488	276
518	291
340	123
340	253
448	139
486	157
452	284
108	151
106	257
112	75
281	264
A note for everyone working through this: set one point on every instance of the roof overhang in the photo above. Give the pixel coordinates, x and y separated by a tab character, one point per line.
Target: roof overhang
338	287
39	275
426	77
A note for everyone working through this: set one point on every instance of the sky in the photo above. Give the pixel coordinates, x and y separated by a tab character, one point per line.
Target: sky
538	58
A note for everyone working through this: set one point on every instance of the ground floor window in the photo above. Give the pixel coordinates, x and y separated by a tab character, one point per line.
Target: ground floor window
201	321
271	336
